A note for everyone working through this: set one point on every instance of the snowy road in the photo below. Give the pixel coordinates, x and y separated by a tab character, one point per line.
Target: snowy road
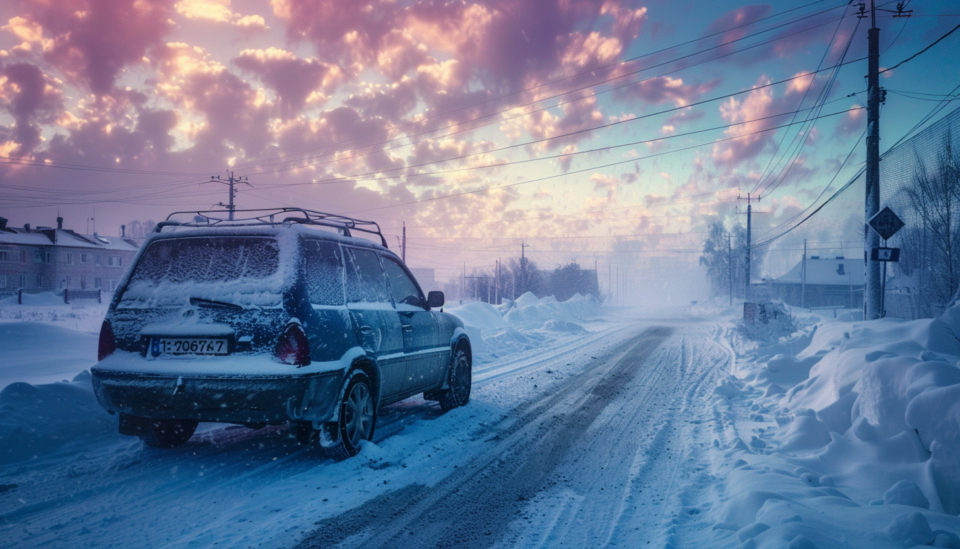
596	440
597	462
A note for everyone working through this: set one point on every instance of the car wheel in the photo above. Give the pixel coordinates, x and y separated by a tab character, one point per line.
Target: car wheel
169	433
358	416
460	380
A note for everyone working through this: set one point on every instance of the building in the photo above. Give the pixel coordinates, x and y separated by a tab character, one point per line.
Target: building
822	282
51	259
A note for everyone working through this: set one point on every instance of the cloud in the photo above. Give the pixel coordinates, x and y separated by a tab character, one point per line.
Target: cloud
235	116
663	89
91	41
220	11
292	78
31	98
851	123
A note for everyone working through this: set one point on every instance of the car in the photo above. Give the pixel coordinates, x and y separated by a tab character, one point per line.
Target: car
269	317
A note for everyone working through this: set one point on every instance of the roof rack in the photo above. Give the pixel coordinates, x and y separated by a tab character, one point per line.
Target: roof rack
272	216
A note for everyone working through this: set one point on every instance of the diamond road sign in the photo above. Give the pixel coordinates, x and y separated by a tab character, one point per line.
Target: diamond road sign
886	223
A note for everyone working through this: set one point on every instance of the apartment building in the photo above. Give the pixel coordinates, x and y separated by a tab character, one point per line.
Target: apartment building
51	259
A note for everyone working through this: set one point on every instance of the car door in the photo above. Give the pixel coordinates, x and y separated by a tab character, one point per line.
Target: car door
376	320
420	330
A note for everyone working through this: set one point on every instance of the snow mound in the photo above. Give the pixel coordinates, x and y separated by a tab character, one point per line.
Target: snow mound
524	324
773	322
869	409
43	353
40	420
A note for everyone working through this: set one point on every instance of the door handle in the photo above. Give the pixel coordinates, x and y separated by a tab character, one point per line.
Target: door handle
407	327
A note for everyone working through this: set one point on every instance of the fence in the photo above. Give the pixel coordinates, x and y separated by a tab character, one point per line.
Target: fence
920	182
68	295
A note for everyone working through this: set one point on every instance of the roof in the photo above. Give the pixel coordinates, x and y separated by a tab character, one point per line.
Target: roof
826	271
43	236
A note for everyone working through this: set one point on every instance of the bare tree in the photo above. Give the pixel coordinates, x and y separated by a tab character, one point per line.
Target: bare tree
724	255
935	199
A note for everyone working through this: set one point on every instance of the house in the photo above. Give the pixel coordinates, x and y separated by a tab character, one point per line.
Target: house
51	259
829	282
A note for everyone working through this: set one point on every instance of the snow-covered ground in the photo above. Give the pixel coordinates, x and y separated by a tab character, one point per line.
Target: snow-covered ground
845	433
587	426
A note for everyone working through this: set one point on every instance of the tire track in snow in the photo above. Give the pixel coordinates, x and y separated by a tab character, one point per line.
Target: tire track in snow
472	507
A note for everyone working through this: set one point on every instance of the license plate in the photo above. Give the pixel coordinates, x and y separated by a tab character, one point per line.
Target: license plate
188	346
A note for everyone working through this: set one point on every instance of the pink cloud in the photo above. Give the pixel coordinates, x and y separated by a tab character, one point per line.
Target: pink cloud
294	79
664	89
31	98
91	41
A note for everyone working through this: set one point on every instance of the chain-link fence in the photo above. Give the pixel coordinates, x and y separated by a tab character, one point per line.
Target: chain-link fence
920	182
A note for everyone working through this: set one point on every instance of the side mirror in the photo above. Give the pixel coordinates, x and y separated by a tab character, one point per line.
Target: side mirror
435	299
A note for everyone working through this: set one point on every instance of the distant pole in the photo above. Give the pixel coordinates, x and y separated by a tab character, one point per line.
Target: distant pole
803	276
496	295
872	294
730	264
523	267
403	246
463	282
746	293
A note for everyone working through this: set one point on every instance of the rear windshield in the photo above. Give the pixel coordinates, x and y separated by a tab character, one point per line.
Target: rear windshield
239	270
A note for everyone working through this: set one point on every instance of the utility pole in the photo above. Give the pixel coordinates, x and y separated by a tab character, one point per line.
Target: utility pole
871	295
523	268
232	192
746	282
803	276
749	221
496	295
403	245
730	264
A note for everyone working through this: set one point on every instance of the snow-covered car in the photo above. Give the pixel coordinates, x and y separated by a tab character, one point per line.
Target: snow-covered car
282	316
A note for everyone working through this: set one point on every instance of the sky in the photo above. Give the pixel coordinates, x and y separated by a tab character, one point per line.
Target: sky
607	131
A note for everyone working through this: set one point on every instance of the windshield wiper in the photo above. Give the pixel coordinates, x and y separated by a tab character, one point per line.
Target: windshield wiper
200	302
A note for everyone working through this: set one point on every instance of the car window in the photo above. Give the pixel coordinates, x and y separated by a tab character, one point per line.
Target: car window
235	269
323	272
404	288
365	279
200	260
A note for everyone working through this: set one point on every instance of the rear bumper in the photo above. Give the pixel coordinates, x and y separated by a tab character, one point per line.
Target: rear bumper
219	398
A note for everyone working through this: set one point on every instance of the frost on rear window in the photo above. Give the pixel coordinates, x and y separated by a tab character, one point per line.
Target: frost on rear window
240	270
323	272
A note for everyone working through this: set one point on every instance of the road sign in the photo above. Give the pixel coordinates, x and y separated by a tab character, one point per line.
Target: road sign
885	254
886	223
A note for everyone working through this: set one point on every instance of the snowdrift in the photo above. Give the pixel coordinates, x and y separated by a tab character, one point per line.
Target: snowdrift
867	415
525	323
40	420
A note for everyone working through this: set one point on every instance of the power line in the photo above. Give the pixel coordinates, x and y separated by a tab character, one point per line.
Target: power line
591	71
593	168
528	113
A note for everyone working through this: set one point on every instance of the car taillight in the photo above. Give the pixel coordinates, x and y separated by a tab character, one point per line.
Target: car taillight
107	344
293	347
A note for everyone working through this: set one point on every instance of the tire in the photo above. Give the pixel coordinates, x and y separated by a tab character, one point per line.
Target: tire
460	380
169	433
357	419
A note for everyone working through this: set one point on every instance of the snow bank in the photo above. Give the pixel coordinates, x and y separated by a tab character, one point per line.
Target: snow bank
38	352
524	324
868	417
40	420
